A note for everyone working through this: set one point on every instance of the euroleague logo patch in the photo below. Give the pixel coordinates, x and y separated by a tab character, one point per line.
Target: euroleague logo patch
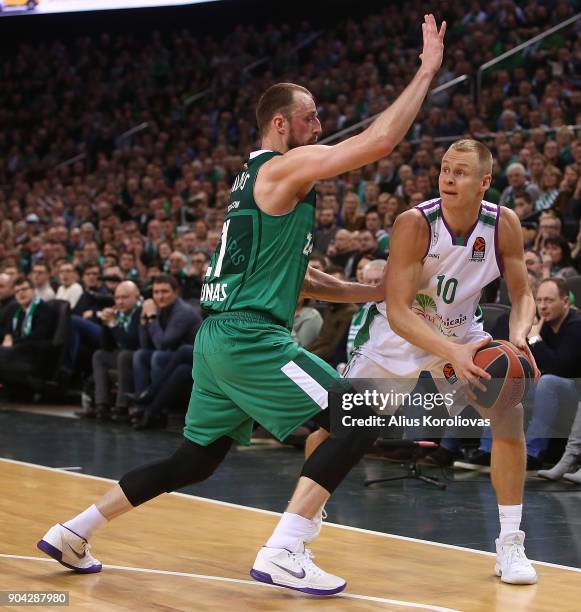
450	374
478	249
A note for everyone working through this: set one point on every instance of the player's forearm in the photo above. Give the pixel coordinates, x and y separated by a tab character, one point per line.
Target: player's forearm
393	124
522	315
321	286
412	328
358	293
341	292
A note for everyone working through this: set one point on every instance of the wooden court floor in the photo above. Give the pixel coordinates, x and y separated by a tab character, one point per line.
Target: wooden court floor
181	552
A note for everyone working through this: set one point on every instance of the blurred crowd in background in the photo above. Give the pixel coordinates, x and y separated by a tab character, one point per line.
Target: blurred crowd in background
117	154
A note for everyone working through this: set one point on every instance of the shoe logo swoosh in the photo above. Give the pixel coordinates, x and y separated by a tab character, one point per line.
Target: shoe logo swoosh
300	574
77	555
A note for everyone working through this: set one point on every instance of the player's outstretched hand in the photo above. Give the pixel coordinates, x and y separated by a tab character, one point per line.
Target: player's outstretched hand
433	50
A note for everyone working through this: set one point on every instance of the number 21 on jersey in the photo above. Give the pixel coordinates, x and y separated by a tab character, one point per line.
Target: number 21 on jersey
223	241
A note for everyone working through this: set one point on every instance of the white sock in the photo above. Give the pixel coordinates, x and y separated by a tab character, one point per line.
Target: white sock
510	517
289	532
86	523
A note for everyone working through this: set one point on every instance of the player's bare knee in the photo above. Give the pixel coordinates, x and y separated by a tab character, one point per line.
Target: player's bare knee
507	421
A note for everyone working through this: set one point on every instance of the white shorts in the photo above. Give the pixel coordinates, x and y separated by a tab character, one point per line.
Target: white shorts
363	366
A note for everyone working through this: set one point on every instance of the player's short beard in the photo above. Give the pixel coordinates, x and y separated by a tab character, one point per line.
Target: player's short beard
293	143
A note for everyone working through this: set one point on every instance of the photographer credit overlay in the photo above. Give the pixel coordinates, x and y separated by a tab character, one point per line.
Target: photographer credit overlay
427	408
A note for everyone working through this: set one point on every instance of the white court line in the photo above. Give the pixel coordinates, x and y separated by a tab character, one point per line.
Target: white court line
254	583
272	513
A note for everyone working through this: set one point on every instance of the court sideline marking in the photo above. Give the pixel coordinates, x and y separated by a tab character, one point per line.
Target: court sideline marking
272	513
144	570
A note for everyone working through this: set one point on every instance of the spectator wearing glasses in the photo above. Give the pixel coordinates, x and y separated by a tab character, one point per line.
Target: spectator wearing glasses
27	338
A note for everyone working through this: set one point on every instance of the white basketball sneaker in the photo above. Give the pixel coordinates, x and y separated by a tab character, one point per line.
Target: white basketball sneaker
512	564
69	549
294	571
317	522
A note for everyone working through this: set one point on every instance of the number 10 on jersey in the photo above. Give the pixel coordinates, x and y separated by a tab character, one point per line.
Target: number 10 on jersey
447	290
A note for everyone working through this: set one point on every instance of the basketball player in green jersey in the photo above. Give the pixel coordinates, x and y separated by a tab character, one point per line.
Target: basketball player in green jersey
246	365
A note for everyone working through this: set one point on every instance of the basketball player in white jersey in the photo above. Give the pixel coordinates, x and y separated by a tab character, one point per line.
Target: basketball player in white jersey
443	253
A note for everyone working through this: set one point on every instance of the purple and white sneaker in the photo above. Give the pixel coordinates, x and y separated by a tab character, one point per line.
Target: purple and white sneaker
69	549
296	571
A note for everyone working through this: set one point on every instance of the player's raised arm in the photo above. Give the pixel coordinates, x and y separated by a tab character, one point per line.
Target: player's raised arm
522	302
408	247
303	165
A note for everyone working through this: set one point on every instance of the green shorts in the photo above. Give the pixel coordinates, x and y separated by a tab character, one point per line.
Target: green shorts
247	368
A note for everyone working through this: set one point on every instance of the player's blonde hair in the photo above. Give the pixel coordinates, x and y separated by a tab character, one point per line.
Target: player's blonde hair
468	145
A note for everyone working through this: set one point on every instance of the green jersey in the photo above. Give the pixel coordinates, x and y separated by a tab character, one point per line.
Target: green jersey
261	259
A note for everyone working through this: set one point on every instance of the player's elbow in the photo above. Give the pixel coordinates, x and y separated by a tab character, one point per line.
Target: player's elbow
396	320
381	147
388	145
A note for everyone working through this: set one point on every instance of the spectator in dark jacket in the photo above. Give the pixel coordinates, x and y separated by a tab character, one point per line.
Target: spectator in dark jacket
6	300
40	276
27	337
167	322
95	296
171	391
85	327
119	340
556	345
555	342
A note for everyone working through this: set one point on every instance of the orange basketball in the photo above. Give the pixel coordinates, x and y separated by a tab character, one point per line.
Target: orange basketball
511	373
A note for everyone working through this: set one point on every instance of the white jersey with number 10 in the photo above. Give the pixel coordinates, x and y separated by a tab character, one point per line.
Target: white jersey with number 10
455	270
